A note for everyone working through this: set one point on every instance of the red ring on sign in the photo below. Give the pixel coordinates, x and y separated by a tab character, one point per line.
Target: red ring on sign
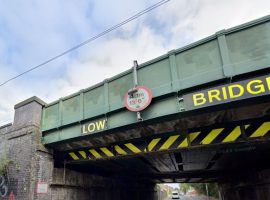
148	91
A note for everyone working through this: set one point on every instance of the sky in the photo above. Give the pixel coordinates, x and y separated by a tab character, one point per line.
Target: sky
173	185
32	32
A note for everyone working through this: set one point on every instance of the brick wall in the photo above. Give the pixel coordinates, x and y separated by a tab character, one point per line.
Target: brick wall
20	143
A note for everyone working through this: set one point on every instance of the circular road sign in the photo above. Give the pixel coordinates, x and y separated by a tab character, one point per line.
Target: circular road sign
138	99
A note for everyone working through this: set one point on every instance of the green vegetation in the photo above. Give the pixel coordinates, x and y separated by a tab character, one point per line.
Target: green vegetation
201	188
185	187
4	164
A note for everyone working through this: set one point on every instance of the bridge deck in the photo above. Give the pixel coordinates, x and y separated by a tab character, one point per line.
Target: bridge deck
217	59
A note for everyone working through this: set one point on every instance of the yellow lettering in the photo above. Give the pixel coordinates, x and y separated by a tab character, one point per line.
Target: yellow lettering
198	99
260	87
91	127
84	129
224	93
213	94
100	124
268	82
231	91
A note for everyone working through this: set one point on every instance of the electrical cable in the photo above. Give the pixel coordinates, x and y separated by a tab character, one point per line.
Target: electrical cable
156	5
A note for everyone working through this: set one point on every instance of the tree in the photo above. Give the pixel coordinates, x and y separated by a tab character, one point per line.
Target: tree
201	189
184	187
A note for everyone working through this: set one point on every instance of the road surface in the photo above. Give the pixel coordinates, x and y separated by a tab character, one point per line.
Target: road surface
189	198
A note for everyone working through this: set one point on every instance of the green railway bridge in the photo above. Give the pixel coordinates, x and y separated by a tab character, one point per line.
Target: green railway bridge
196	114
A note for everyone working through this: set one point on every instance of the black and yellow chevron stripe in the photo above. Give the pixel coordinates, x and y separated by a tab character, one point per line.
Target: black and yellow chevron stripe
204	137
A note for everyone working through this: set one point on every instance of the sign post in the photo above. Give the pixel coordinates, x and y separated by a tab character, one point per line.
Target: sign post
139	97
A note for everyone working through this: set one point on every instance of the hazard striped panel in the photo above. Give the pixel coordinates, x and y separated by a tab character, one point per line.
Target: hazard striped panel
120	150
205	136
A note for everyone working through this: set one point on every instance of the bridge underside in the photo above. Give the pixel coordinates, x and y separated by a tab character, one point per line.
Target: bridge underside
218	146
218	163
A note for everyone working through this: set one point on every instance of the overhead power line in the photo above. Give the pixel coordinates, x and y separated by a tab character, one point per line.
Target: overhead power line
158	4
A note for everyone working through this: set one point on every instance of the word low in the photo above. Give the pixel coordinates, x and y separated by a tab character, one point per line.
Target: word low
95	126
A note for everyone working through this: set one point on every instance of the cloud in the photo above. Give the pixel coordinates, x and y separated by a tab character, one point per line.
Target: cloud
34	31
115	55
110	57
196	19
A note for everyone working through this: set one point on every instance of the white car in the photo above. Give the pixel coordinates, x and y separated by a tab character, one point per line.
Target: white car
175	195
